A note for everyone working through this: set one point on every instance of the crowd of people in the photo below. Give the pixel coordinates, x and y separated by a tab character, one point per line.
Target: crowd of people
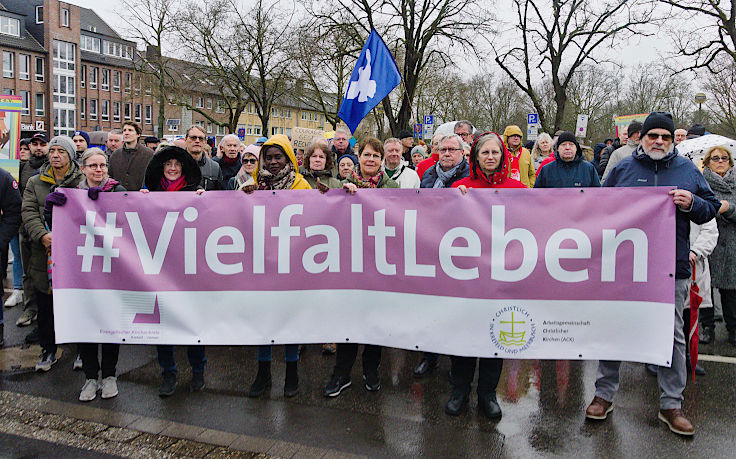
644	155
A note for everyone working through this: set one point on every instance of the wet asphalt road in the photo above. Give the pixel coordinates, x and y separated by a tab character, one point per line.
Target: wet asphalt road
543	405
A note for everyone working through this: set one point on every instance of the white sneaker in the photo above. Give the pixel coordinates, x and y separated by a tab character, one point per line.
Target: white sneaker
77	363
109	387
14	299
89	391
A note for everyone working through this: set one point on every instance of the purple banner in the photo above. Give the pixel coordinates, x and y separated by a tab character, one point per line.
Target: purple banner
555	244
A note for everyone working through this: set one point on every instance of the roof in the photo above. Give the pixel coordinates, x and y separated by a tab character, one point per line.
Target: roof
88	17
25	41
104	59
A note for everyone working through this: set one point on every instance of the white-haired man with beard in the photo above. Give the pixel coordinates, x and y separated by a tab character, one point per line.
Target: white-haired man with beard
656	163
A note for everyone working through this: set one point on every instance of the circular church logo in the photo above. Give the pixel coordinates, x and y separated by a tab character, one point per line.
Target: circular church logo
512	329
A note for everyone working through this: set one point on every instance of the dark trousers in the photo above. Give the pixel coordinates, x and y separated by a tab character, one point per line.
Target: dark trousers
728	303
46	336
168	364
90	363
463	372
29	293
431	357
348	352
707	317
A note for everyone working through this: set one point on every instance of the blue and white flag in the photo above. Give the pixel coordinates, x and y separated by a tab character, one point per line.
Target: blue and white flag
374	77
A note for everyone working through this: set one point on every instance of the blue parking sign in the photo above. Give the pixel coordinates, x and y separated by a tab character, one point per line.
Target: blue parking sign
428	119
532	118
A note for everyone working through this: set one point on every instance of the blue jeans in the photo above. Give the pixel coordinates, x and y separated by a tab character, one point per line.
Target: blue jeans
292	353
168	364
17	264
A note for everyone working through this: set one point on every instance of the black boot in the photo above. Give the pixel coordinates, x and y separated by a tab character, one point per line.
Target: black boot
263	380
489	406
291	384
2	335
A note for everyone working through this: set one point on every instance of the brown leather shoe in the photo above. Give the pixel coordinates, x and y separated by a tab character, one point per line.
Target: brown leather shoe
598	409
676	421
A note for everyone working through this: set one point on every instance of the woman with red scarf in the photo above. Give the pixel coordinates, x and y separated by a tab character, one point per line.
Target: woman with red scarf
489	168
173	169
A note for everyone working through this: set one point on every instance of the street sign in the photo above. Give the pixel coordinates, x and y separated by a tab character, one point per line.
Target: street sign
582	127
532	118
532	131
241	133
428	131
428	119
418	130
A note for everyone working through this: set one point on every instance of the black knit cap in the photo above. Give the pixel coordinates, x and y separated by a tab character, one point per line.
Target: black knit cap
634	127
404	134
656	120
568	136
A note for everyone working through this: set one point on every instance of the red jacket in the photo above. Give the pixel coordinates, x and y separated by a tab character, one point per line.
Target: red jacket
481	181
546	161
427	163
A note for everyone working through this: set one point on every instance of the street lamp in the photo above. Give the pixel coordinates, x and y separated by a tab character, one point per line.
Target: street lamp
700	100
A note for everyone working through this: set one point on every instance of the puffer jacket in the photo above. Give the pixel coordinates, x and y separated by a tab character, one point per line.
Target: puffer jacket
568	174
723	259
672	170
281	141
38	187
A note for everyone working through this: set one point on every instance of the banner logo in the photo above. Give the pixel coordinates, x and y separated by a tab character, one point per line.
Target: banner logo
513	329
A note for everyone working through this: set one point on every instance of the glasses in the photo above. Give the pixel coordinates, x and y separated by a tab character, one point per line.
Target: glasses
449	150
719	159
197	137
465	134
665	137
250	161
96	166
372	155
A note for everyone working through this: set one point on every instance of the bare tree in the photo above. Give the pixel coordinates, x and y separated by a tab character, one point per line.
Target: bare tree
722	88
151	22
553	39
422	31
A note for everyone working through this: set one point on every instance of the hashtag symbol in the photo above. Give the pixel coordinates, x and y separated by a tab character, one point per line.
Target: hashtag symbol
90	250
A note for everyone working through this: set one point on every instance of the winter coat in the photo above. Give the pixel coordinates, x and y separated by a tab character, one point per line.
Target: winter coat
189	168
28	169
427	164
280	140
568	174
405	176
525	173
597	149
482	181
325	177
34	198
130	168
723	258
672	170
211	173
703	239
430	176
384	183
617	156
228	170
10	205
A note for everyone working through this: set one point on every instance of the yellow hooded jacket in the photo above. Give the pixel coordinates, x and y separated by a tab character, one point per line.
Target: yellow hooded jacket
300	183
527	174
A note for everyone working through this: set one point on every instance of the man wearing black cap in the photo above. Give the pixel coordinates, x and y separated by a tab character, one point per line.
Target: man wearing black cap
407	142
152	142
634	134
656	163
569	169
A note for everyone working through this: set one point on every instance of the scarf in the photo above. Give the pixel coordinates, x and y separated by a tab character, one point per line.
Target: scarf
36	161
176	185
284	180
230	161
725	184
370	182
107	184
443	176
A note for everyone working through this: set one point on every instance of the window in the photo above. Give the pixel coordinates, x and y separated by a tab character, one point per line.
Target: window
82	107
9	26
304	116
88	43
149	114
64	89
251	109
138	113
64	55
200	102
39	14
24	66
116	49
138	84
105	80
8	67
274	130
8	92
220	108
288	113
256	130
83	76
93	109
64	122
116	111
93	77
274	112
26	100
40	104
105	110
116	81
128	52
39	69
249	130
128	109
128	82
209	103
65	17
209	128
